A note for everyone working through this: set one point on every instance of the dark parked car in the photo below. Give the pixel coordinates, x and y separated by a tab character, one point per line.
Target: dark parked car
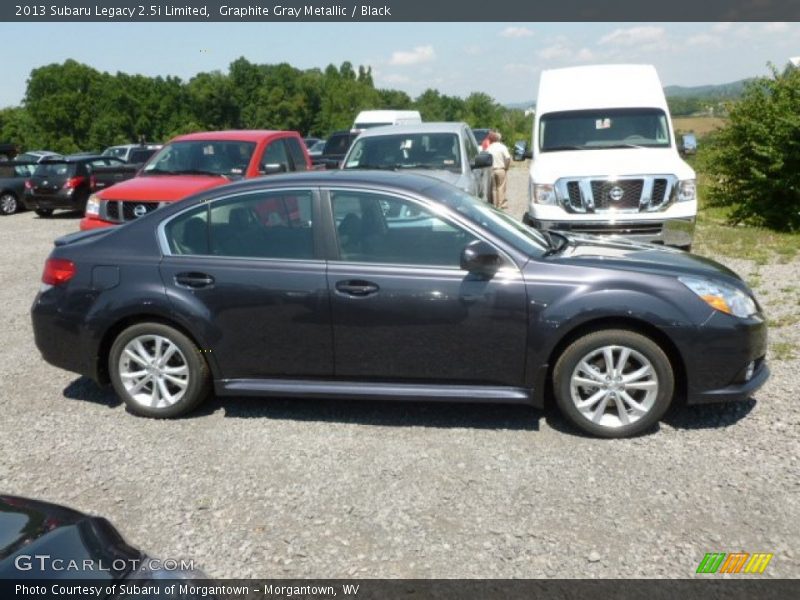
520	150
64	183
41	542
336	146
12	185
376	284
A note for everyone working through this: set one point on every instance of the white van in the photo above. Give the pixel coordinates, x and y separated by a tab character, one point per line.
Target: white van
367	119
605	159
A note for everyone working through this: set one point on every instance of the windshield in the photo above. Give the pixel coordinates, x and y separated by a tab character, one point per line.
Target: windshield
226	158
114	151
441	151
528	240
604	128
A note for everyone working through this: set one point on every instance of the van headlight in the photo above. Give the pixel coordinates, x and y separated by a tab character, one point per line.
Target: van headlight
722	297
687	190
543	193
93	206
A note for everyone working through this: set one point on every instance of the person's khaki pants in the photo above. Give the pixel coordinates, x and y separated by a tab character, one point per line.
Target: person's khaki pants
499	188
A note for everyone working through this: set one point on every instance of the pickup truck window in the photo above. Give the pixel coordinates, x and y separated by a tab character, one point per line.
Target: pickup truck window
604	128
226	158
298	158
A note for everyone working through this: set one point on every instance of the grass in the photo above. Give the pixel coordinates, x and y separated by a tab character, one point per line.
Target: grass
715	236
783	350
784	321
700	126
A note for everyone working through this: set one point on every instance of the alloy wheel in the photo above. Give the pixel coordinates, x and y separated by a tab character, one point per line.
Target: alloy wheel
154	371
614	386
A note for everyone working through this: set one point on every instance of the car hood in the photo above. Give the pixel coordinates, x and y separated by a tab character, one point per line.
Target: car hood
161	188
550	166
622	254
30	528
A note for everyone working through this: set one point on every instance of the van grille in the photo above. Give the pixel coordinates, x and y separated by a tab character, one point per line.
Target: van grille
617	194
644	193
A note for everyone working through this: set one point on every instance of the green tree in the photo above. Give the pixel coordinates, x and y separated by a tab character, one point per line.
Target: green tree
754	161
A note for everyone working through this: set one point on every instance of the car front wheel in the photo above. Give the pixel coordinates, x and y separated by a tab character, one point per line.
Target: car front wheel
158	371
613	383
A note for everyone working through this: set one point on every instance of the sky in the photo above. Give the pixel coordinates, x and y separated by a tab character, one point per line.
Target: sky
501	59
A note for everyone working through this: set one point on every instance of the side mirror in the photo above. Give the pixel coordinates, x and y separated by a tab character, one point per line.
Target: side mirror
273	168
481	257
483	160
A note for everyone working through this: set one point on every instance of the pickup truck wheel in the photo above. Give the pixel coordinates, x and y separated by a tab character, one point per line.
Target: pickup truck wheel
44	212
613	383
8	204
158	371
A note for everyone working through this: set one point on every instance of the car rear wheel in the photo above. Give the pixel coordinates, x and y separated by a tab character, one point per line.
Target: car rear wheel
613	383
44	212
158	371
8	204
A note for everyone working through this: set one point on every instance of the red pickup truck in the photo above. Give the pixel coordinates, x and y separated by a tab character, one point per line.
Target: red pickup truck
193	163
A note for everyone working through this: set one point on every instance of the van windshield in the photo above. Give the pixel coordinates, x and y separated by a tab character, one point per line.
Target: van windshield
604	128
370	125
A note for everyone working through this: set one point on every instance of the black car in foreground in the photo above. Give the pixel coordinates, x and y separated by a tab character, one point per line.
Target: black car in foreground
392	286
64	183
43	542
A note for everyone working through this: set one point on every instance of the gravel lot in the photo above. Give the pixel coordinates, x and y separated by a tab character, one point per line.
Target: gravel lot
281	488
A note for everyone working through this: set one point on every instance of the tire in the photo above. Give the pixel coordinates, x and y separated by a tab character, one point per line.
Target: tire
581	392
143	395
44	212
9	204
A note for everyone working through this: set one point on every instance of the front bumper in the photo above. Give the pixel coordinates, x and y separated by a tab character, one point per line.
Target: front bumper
88	223
735	392
669	232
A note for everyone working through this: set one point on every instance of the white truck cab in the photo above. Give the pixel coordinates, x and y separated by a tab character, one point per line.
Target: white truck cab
605	159
367	119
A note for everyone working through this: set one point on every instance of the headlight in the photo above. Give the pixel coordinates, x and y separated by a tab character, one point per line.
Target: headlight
93	206
687	190
544	193
722	297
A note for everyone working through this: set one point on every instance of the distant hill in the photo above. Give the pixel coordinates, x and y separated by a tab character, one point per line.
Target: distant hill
723	90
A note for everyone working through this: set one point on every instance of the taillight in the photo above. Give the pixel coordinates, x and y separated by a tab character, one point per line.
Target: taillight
28	184
73	182
58	271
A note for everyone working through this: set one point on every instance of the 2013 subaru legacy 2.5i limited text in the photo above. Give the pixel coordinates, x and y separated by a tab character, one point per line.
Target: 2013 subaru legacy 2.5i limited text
383	285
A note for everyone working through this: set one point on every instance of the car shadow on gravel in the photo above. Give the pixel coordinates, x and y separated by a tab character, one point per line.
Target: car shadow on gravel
87	390
680	416
380	413
63	214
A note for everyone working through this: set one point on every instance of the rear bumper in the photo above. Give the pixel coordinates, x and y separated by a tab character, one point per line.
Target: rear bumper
52	201
669	232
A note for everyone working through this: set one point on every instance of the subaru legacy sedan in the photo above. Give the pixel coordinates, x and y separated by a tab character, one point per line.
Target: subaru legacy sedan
384	285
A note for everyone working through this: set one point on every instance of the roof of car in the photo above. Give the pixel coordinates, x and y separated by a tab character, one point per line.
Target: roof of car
441	127
75	158
411	182
236	135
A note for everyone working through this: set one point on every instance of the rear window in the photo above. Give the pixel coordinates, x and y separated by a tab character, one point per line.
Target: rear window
55	169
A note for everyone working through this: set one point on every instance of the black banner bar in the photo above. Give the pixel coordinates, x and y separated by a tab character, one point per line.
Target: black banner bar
710	588
399	10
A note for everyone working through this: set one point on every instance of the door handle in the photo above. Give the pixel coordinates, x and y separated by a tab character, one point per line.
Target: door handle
357	287
194	280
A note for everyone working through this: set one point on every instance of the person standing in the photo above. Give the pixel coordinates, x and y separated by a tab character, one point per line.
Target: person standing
501	159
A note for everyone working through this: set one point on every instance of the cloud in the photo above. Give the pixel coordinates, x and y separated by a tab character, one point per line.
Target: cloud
420	54
554	52
519	69
704	39
646	35
775	27
721	27
394	78
516	32
473	50
584	54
